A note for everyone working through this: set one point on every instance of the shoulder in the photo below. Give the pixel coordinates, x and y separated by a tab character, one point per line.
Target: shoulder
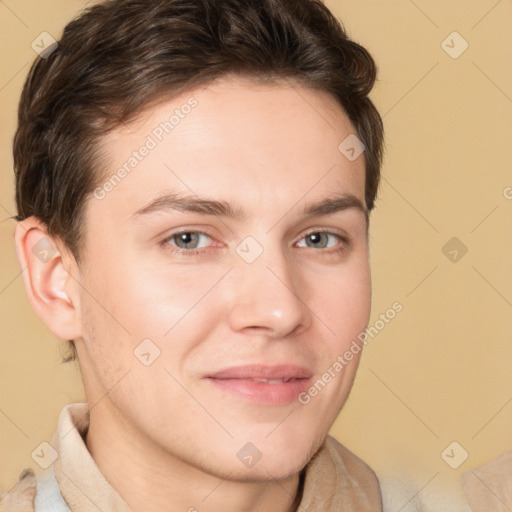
21	497
35	493
490	485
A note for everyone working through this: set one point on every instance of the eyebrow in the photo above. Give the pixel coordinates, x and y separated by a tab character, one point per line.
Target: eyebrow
178	202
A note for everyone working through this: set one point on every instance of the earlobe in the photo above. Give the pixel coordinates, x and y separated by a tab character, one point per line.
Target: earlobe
50	288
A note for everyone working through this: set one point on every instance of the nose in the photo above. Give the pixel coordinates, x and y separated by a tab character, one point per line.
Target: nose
269	297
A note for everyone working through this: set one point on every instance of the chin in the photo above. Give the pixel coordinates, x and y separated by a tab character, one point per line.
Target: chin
279	471
270	460
281	462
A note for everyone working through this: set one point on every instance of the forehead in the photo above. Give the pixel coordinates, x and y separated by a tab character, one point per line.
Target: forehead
261	144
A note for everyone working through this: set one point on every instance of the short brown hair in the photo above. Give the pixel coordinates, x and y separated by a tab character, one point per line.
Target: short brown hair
120	56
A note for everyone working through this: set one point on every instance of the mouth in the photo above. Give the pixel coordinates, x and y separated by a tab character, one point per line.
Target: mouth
261	384
272	381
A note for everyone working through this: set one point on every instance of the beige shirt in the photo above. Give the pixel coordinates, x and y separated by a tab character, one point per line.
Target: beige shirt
335	479
490	487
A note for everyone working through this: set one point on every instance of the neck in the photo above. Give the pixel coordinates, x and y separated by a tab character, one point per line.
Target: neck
151	479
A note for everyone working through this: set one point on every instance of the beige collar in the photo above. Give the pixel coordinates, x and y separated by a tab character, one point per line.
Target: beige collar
81	483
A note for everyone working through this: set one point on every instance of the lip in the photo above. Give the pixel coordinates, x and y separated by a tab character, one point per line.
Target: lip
242	382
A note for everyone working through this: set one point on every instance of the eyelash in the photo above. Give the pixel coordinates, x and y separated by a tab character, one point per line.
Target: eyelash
205	251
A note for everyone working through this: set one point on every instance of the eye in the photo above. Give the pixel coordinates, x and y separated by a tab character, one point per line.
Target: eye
188	240
320	240
196	242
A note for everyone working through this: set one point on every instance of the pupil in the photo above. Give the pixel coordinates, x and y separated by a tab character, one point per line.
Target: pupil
187	238
316	239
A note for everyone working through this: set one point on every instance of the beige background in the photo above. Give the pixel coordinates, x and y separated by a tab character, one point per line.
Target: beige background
441	370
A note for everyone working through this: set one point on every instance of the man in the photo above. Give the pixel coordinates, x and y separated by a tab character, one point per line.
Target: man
194	180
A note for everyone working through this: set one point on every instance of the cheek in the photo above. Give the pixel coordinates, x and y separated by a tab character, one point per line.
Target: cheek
346	303
135	300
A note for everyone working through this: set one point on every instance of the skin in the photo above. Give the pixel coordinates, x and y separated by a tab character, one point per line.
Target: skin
272	150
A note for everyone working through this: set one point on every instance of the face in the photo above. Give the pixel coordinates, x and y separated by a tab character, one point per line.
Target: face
225	271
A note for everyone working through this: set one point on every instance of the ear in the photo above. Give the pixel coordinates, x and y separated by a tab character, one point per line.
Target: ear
49	274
